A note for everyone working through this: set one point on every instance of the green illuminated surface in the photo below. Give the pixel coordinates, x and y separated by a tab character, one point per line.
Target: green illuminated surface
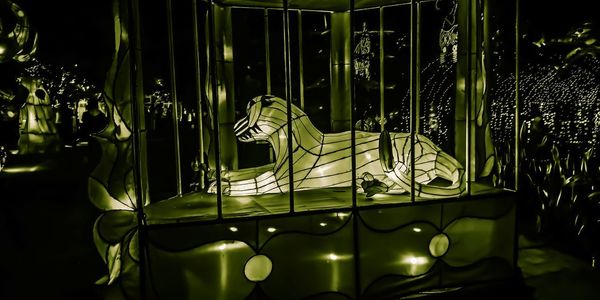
293	257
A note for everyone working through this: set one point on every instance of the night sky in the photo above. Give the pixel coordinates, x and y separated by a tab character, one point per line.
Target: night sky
73	32
80	32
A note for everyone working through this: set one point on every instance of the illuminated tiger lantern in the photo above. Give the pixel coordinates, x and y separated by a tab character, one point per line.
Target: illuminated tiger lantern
323	159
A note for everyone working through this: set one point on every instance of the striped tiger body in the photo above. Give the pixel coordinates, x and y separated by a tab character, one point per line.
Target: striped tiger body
325	160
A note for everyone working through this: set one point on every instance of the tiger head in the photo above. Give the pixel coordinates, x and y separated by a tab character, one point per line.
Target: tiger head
265	115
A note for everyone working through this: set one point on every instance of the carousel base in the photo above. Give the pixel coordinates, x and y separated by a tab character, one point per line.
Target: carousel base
372	252
203	207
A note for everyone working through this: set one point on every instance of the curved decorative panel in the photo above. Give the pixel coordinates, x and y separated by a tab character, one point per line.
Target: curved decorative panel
210	271
473	239
307	264
402	250
189	236
394	217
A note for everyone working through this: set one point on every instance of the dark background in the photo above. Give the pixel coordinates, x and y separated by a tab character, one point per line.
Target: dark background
46	247
74	32
81	32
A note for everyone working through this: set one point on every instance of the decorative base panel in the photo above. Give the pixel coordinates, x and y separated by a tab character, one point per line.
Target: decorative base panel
372	253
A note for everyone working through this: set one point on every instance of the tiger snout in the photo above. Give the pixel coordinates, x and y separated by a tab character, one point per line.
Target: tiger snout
241	130
246	133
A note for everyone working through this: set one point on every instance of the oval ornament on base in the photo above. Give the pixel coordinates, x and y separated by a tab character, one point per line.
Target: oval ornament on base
258	268
438	246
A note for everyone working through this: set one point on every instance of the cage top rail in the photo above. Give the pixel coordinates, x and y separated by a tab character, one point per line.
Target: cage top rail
321	5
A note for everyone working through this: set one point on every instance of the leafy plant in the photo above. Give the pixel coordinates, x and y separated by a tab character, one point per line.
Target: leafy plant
565	187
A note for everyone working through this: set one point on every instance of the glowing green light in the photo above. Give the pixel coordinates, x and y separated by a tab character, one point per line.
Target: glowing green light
332	256
415	260
342	215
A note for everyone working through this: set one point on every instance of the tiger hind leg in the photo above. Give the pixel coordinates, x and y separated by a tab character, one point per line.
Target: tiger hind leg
429	166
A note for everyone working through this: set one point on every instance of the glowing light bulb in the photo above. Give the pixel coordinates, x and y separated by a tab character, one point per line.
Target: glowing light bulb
271	229
322	224
233	229
417	229
342	215
332	256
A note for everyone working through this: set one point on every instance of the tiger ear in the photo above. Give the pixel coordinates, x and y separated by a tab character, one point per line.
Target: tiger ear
266	99
254	113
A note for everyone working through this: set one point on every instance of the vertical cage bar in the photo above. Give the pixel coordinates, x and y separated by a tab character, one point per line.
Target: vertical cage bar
352	104
288	95
199	91
215	103
267	50
355	216
517	106
517	137
139	136
268	65
300	60
175	103
469	90
417	74
413	91
381	72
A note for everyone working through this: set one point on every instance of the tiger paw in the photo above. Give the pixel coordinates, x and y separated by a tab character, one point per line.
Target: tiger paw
225	188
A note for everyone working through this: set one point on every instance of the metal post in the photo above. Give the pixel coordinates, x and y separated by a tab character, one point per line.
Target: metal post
288	95
351	94
355	216
300	60
268	66
215	103
517	106
414	89
381	72
175	103
267	51
417	106
199	91
469	96
139	134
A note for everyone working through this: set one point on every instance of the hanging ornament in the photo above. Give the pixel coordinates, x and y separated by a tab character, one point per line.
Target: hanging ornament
363	54
433	120
449	35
